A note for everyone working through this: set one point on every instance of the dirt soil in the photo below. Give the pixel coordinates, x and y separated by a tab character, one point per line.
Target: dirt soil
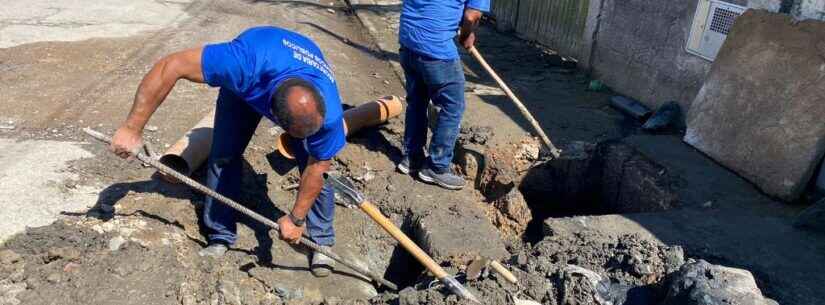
558	269
138	244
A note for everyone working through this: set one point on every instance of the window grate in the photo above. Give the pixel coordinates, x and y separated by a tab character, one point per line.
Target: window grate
723	20
712	23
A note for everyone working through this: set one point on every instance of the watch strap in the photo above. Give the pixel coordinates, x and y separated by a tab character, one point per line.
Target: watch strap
296	221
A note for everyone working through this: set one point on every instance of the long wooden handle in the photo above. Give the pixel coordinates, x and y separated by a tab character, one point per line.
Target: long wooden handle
509	276
546	140
405	241
243	209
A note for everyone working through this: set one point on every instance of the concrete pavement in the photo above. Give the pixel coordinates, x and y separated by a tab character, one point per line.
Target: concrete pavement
29	21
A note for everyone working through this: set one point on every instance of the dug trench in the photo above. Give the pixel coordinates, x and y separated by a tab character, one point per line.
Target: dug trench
526	193
145	252
608	178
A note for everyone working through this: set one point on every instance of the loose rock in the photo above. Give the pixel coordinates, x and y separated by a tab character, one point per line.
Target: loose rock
54	278
459	238
8	257
511	213
9	291
702	283
229	292
67	253
116	242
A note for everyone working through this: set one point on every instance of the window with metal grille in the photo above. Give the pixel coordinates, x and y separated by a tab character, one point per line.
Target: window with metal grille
712	23
723	20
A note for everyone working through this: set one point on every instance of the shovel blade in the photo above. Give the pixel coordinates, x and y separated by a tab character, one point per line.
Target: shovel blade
458	289
343	186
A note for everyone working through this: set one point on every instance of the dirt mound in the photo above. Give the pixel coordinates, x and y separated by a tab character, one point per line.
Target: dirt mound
77	265
575	269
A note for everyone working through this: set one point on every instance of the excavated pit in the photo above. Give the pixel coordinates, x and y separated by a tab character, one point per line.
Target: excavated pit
607	178
404	270
582	267
588	179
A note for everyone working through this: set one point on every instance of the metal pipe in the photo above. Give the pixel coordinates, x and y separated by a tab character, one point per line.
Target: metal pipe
630	107
191	150
364	115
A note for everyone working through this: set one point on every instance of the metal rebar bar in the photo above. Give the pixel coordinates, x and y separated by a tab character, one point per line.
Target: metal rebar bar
243	210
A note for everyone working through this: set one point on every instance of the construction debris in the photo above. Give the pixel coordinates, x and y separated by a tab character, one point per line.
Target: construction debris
701	283
663	118
630	107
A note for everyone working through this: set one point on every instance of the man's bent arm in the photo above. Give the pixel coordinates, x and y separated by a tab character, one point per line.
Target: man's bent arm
312	181
157	84
469	24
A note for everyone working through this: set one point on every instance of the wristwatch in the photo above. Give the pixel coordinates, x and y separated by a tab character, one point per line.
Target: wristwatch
296	221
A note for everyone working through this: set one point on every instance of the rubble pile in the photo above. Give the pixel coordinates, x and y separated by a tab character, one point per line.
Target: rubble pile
596	269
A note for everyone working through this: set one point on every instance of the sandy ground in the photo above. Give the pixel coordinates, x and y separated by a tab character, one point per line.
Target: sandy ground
145	252
37	184
52	89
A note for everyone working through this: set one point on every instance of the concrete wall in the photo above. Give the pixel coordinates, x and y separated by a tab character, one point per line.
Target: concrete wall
809	9
558	24
639	49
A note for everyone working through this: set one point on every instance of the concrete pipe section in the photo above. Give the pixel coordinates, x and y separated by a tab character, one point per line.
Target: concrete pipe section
365	115
191	150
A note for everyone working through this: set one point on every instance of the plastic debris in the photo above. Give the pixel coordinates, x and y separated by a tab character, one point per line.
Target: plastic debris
630	107
663	118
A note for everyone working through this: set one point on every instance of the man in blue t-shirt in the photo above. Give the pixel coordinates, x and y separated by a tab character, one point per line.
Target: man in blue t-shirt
433	72
264	72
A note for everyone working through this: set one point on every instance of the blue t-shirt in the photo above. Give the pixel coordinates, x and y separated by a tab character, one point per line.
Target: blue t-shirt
429	26
252	65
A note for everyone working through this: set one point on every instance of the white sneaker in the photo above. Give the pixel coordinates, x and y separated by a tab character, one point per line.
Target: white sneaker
214	250
322	265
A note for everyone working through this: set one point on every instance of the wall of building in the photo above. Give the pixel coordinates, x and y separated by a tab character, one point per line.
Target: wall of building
556	23
809	9
639	49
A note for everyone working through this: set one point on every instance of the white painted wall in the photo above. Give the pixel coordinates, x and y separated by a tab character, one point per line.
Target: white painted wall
770	5
809	9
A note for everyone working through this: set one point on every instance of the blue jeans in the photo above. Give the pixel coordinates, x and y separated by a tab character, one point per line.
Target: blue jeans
235	123
442	82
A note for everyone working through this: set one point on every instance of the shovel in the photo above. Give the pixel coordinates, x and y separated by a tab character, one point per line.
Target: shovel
344	187
243	210
555	152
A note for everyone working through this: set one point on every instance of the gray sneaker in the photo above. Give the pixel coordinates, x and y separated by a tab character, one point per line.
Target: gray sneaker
447	180
322	265
405	166
215	250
